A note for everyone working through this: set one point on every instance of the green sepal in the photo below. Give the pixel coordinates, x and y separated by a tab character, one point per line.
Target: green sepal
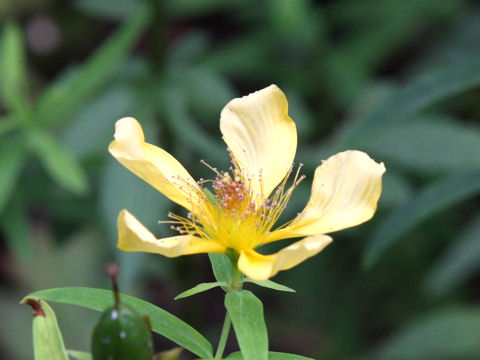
222	268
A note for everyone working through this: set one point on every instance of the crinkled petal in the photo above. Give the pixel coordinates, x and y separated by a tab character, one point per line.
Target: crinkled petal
133	236
345	192
262	267
261	136
153	165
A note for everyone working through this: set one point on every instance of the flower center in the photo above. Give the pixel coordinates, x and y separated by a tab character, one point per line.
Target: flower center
233	214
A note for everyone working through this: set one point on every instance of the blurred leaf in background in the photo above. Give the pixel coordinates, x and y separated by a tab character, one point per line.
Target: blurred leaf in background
398	79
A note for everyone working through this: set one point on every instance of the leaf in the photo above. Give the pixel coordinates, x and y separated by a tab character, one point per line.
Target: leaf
16	227
11	160
222	267
460	260
396	189
162	321
7	123
112	10
92	129
60	165
79	355
246	312
418	94
120	189
47	339
59	102
178	117
429	144
270	284
12	67
447	334
200	288
433	199
272	355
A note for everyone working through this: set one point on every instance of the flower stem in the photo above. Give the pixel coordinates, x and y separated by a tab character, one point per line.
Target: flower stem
223	338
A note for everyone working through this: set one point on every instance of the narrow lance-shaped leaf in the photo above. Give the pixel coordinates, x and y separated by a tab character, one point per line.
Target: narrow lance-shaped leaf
60	101
12	67
270	285
11	161
246	312
447	334
429	144
200	288
460	260
435	198
62	167
162	321
15	225
272	355
47	339
413	97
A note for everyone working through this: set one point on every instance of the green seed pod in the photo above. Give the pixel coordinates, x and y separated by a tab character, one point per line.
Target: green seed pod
121	333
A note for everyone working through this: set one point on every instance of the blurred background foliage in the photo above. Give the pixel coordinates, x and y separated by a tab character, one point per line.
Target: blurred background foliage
396	78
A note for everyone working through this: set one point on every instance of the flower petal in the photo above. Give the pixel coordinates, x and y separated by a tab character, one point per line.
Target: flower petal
262	267
261	137
152	164
345	192
133	236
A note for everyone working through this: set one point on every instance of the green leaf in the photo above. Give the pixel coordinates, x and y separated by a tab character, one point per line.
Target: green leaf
222	267
200	288
447	334
246	312
11	160
429	144
177	114
272	355
120	189
62	167
92	129
7	123
112	10
16	227
433	199
270	284
162	321
79	355
47	339
12	67
62	100
460	260
416	95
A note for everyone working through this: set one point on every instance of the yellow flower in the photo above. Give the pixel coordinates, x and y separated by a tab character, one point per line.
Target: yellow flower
238	209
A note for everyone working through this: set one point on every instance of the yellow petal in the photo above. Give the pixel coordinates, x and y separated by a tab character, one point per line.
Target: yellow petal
152	164
262	267
261	137
133	236
345	192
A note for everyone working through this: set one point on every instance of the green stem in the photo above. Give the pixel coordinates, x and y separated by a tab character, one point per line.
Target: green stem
223	338
237	279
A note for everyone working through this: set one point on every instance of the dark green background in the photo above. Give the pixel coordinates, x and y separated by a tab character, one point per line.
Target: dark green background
395	78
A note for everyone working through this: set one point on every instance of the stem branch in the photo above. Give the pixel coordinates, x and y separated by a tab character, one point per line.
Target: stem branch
223	338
